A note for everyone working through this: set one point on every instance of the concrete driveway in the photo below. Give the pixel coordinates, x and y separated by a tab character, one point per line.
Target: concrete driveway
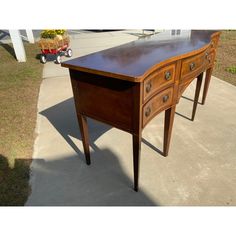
200	168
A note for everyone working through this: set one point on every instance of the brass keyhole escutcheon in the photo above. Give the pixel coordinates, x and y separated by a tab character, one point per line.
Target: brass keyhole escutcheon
208	57
167	75
165	98
148	87
148	112
192	66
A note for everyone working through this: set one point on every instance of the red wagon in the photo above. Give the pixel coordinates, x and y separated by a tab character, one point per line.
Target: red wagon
58	46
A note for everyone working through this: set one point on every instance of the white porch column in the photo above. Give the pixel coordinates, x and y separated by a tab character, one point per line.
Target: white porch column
30	36
18	45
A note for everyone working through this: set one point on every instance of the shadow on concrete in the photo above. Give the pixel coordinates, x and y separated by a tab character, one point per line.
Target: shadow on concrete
185	117
152	146
63	117
190	99
68	181
14	182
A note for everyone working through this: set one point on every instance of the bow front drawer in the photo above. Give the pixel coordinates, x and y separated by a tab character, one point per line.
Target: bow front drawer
158	103
157	80
194	65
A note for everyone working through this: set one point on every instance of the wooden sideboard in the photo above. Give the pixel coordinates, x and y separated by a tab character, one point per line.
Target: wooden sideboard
128	85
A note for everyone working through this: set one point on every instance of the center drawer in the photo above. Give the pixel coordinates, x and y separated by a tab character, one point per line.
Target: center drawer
158	80
158	103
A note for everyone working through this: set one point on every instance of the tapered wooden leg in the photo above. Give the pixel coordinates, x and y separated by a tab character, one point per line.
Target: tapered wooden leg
169	119
84	134
136	158
206	85
197	92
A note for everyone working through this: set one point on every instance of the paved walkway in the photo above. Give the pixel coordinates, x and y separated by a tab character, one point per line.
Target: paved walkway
200	168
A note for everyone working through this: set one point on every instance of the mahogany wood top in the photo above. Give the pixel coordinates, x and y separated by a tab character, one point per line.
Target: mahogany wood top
135	60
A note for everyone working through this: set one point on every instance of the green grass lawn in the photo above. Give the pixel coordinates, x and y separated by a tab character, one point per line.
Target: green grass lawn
19	88
225	66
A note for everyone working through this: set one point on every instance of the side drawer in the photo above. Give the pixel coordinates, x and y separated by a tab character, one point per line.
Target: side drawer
194	65
158	80
158	103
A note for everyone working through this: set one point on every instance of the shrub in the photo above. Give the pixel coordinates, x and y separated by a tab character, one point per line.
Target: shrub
51	34
231	69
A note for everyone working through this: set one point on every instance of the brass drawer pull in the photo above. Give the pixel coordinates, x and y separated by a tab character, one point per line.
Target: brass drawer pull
208	57
165	98
167	75
148	112
192	66
148	87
